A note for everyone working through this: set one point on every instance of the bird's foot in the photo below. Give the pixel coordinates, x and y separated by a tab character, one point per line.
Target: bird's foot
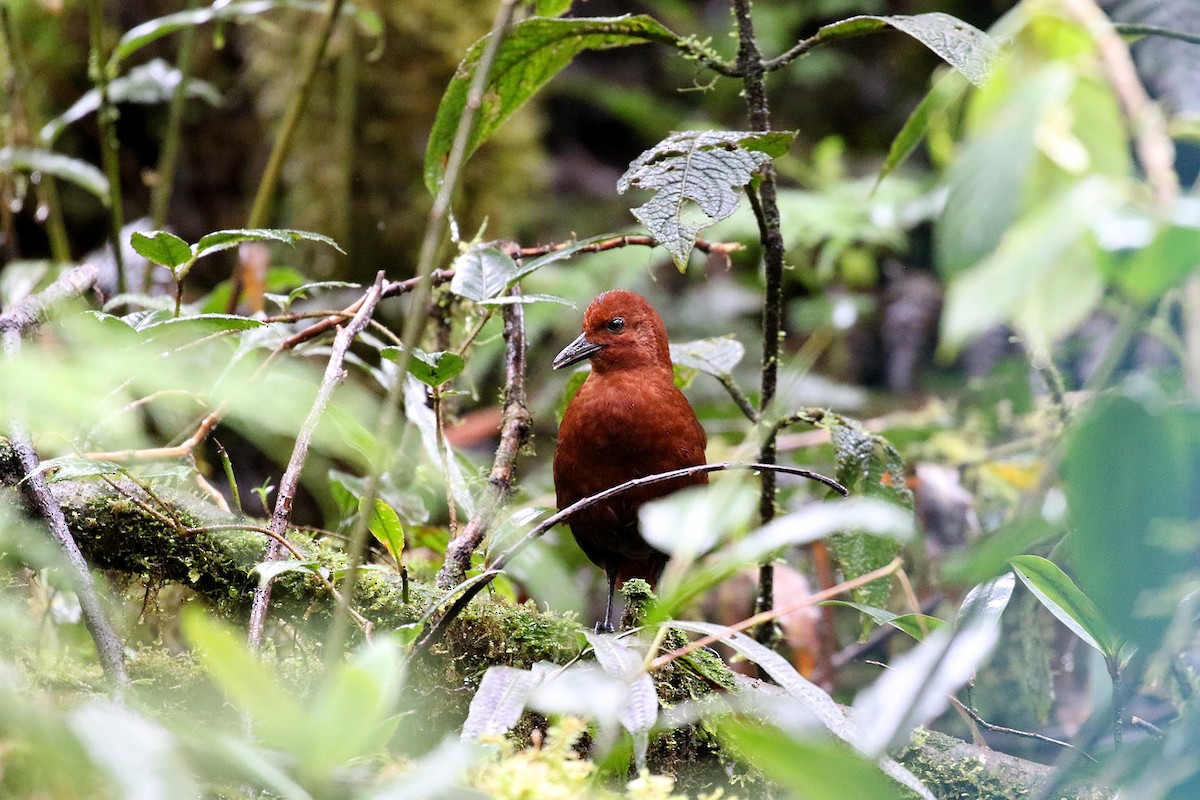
604	627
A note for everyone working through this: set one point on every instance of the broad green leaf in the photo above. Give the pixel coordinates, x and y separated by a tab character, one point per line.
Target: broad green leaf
1130	475
431	369
533	51
384	524
815	769
964	47
697	170
482	273
1145	256
81	173
1042	278
163	248
716	356
153	82
223	240
1058	593
196	326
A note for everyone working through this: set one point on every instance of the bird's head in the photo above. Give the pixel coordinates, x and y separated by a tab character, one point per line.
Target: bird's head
620	331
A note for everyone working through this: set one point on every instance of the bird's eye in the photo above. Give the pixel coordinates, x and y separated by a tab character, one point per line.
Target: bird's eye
616	324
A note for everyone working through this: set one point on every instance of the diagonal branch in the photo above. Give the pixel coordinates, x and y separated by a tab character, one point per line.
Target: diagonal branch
282	514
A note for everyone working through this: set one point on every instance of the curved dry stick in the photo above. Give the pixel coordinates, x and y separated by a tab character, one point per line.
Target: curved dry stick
549	522
282	513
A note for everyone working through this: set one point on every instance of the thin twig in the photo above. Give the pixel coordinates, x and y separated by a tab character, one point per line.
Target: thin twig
33	310
288	484
979	720
106	116
775	613
434	634
514	431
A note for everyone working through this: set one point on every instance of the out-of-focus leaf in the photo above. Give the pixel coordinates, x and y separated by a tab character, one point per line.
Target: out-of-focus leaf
1146	256
73	468
908	623
984	604
197	326
526	299
816	769
268	571
551	8
384	524
688	523
533	51
716	356
81	173
696	170
482	273
945	91
423	417
499	701
964	47
1131	476
435	776
138	754
223	240
1055	590
534	264
156	81
163	248
621	659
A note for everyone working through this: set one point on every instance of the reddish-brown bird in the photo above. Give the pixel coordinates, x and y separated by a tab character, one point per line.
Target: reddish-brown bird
627	421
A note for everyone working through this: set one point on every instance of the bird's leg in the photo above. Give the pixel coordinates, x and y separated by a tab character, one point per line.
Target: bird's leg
606	625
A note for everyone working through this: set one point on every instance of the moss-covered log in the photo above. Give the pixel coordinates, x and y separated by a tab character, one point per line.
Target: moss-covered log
115	533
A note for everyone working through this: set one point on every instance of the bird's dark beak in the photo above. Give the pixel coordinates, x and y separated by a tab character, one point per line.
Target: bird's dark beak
576	351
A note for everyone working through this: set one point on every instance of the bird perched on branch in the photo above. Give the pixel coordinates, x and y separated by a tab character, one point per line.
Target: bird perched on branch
627	421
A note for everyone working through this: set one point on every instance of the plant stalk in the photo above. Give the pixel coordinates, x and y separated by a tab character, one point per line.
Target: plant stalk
160	197
106	117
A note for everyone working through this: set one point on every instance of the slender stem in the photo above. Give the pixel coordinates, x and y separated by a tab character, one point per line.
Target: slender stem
414	325
17	85
160	197
261	209
752	70
439	425
106	117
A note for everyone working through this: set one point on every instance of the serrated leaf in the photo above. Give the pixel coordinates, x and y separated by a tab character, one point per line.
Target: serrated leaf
533	51
482	273
716	356
499	701
964	47
623	660
81	173
384	524
162	247
223	240
704	168
431	369
1055	590
153	82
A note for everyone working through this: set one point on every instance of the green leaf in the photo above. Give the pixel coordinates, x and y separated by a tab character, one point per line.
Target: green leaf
534	264
139	36
908	623
223	240
1059	594
1042	279
482	273
268	571
533	51
551	8
384	524
431	369
716	356
815	769
1146	256
81	173
964	47
194	327
703	169
153	82
163	248
526	299
948	88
